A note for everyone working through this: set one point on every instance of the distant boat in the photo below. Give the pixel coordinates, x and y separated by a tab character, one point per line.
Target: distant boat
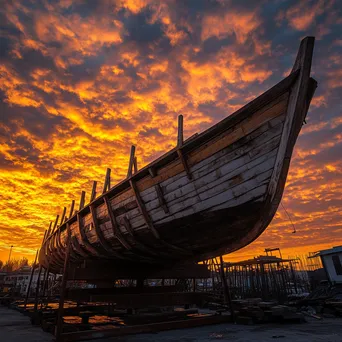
211	195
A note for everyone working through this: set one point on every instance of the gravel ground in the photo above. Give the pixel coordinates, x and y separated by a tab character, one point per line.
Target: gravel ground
15	327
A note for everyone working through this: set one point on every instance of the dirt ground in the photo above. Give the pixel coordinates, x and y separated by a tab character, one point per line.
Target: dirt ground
15	327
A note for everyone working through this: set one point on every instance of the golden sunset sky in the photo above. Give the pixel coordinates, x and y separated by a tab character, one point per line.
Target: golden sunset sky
81	81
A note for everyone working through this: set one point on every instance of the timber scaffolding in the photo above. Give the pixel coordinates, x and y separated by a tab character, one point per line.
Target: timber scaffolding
123	303
267	277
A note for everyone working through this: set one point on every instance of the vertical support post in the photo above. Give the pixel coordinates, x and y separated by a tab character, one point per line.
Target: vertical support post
227	297
106	185
31	277
180	140
46	272
82	200
46	279
37	293
59	326
49	230
54	226
131	161
180	131
135	165
93	191
71	212
63	216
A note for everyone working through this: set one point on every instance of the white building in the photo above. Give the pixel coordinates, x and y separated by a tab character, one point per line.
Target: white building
18	281
332	263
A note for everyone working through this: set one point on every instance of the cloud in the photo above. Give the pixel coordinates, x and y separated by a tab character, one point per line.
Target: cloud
83	81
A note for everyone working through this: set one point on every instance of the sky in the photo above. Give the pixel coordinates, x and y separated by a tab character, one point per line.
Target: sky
81	81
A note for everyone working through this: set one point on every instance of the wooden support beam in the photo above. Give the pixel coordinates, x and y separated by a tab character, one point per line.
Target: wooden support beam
31	277
106	185
145	328
226	292
161	198
78	248
140	246
131	162
180	141
82	200
49	231
180	138
152	171
54	226
37	290
135	165
115	227
93	191
72	206
45	279
84	237
63	216
183	160
143	210
99	233
149	223
59	326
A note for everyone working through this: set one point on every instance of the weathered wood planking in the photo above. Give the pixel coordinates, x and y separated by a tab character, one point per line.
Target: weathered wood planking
241	162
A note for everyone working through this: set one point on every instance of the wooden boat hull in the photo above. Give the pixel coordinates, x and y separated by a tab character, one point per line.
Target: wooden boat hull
211	196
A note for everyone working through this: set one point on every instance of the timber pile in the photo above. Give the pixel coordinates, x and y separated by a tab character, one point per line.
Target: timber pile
254	310
325	300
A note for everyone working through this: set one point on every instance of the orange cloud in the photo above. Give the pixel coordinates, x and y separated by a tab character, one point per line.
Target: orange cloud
81	82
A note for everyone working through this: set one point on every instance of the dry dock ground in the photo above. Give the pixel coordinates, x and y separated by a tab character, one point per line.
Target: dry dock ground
15	327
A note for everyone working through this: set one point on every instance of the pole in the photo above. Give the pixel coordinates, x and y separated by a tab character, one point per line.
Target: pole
30	282
46	277
9	259
59	326
227	296
37	293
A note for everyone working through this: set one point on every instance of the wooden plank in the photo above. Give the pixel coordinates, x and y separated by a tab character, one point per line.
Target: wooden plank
135	165
296	109
137	244
84	238
192	205
82	200
78	248
205	165
116	230
217	180
131	162
49	230
72	206
63	216
149	222
59	326
198	185
93	192
103	242
184	162
143	210
161	198
54	226
180	137
145	328
106	185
